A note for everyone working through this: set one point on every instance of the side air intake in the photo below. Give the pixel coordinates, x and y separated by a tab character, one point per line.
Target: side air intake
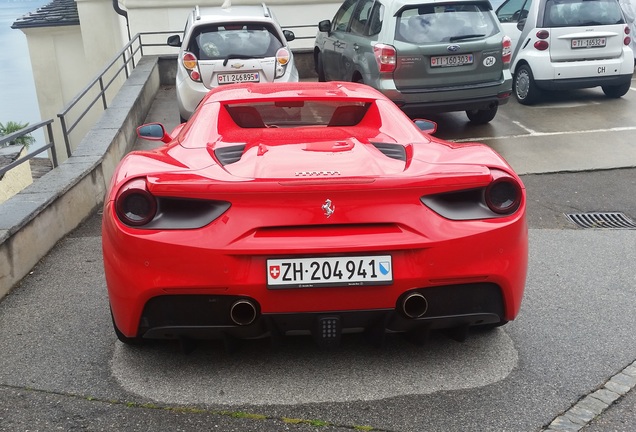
230	154
394	151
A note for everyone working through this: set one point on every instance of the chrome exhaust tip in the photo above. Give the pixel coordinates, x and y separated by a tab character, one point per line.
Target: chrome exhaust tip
414	305
243	312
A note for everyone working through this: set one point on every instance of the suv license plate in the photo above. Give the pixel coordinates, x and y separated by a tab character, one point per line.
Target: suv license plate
589	43
238	77
329	271
452	60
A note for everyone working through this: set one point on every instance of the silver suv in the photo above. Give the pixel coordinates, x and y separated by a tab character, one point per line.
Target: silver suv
426	56
225	45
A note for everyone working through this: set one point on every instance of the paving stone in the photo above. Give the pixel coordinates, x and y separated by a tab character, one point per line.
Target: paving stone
605	395
624	379
592	404
563	423
616	387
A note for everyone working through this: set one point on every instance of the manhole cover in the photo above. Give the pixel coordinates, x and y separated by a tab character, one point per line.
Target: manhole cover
601	220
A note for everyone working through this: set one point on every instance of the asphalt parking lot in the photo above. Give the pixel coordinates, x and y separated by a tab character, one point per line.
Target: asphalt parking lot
62	368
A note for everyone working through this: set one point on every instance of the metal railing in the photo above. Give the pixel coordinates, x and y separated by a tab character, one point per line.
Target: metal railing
23	132
122	63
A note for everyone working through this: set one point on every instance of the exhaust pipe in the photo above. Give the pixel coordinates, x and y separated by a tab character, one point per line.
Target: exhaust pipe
414	305
243	312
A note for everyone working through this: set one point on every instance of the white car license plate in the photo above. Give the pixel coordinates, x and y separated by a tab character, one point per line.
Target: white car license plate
452	60
599	42
329	271
232	78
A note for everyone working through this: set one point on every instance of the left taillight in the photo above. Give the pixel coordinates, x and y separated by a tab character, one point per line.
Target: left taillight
282	60
506	50
386	57
134	204
503	195
191	63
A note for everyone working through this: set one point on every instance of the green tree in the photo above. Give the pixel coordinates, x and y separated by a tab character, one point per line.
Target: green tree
10	127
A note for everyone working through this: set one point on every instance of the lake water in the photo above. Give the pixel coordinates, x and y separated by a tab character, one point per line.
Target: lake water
18	101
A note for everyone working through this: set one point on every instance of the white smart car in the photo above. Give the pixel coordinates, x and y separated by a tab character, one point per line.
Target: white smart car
567	44
226	45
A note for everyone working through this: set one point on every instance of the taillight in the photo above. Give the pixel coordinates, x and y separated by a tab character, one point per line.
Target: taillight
190	62
385	56
627	40
134	204
542	44
503	195
506	50
282	59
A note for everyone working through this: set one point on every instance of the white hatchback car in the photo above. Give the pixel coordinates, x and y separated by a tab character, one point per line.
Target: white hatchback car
567	44
225	45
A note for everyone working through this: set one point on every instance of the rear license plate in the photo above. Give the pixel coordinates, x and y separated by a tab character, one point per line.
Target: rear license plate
599	42
452	60
329	271
232	78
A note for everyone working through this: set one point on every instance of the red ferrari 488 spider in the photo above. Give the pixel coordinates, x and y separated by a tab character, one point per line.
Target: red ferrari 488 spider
310	208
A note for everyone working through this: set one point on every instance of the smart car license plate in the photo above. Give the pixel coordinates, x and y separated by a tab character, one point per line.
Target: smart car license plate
599	42
232	78
329	271
452	60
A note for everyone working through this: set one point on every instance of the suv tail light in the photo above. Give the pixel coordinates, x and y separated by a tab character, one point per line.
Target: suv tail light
282	59
506	50
191	63
385	56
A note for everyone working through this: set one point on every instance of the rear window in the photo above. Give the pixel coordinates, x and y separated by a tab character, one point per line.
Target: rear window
220	41
298	113
429	23
581	13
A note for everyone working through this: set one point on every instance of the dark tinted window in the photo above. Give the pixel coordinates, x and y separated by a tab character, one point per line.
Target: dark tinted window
343	16
218	41
576	13
445	23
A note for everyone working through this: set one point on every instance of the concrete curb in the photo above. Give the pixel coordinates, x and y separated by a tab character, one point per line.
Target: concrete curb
32	221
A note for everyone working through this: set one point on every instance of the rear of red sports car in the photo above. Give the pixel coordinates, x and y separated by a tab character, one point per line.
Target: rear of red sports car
310	208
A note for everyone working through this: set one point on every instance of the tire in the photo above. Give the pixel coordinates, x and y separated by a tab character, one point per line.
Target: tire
320	70
482	116
524	86
132	341
616	91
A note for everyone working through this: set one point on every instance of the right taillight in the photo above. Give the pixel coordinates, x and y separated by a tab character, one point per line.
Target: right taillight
506	50
135	205
386	57
503	195
542	44
627	40
190	62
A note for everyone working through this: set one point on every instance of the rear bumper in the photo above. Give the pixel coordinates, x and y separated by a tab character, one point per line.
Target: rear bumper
579	83
213	317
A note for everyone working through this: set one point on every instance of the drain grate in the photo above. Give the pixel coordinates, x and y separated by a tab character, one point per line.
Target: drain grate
601	220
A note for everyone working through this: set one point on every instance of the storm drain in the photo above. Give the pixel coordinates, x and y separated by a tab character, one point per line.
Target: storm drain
601	220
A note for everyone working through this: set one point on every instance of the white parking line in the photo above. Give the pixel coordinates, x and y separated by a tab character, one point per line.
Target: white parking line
534	133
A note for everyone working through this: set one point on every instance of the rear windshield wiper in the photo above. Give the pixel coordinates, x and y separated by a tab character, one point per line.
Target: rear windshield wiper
467	36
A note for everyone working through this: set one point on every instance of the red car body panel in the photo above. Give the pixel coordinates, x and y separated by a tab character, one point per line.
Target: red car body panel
276	190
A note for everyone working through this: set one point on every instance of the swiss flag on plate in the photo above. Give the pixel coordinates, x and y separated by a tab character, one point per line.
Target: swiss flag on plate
274	271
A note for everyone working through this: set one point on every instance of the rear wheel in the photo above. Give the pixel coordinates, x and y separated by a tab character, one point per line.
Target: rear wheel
616	91
524	86
482	116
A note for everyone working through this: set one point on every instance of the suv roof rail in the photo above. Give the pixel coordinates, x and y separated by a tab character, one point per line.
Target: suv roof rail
197	13
265	10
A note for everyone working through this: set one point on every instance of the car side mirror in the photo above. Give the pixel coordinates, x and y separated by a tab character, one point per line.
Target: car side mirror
153	132
427	126
174	41
289	35
324	26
